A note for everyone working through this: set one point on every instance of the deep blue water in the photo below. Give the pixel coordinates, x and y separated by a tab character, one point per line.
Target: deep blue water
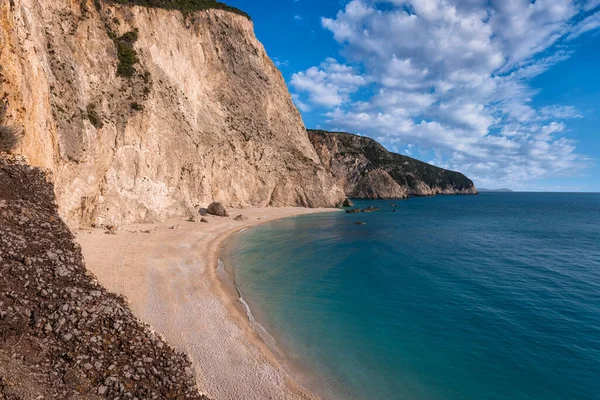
495	296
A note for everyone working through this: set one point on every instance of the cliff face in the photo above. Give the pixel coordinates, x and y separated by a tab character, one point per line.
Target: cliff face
366	170
205	115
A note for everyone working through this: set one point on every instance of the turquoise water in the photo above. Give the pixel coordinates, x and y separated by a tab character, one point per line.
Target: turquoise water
494	296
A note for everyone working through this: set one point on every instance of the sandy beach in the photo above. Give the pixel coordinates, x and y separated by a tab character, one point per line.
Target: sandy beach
171	280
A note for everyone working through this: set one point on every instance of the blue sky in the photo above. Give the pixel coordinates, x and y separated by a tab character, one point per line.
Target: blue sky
505	91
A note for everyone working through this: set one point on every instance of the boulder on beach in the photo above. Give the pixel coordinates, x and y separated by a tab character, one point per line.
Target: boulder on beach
203	211
204	220
217	209
193	218
241	218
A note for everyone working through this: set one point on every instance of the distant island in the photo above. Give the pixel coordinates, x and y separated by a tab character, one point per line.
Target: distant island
496	190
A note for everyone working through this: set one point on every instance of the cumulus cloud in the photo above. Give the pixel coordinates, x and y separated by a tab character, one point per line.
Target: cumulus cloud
329	84
453	76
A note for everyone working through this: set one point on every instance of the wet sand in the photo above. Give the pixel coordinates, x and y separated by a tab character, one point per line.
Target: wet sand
171	280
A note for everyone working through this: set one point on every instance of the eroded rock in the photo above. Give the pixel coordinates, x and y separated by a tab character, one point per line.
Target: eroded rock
217	209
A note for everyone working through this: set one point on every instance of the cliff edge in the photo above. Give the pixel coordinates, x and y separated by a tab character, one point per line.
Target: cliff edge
366	170
145	113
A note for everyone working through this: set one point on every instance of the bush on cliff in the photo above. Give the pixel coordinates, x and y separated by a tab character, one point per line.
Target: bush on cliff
126	53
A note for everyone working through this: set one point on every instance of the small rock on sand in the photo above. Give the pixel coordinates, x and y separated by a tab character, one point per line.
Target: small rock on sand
176	226
204	220
111	230
241	218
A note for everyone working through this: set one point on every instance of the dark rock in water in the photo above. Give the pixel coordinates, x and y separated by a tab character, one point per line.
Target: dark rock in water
217	209
348	203
203	211
392	205
363	210
360	223
241	218
370	209
394	210
204	220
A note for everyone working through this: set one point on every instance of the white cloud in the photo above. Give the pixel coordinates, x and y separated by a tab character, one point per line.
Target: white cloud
328	85
280	63
591	4
300	104
590	23
453	76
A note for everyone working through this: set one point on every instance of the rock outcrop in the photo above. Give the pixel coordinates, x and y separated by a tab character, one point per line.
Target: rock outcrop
143	113
217	209
366	170
62	335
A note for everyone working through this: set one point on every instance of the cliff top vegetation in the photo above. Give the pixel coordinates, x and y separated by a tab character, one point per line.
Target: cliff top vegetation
184	5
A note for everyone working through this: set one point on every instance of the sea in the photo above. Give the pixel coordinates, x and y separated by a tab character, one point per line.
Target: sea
495	296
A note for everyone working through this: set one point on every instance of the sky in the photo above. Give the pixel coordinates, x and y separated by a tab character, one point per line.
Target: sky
505	91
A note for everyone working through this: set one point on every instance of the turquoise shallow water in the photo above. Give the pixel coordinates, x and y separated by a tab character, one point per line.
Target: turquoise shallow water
494	296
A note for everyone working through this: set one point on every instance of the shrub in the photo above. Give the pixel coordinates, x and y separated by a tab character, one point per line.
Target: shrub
126	53
10	136
137	107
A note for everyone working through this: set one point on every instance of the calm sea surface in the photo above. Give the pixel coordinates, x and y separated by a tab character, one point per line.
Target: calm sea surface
494	296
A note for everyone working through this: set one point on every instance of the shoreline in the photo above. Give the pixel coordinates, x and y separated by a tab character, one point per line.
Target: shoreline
171	280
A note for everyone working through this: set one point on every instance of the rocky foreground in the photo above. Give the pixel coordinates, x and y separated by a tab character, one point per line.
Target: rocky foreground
62	335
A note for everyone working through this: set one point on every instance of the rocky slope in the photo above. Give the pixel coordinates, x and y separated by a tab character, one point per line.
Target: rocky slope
366	170
144	113
62	335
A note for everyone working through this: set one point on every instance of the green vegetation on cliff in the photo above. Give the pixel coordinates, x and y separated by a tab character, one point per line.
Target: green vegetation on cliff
126	53
183	5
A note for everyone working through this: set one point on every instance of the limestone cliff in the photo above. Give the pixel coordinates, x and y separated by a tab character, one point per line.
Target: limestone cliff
366	170
144	113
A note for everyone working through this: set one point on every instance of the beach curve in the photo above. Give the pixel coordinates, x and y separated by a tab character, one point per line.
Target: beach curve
169	273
